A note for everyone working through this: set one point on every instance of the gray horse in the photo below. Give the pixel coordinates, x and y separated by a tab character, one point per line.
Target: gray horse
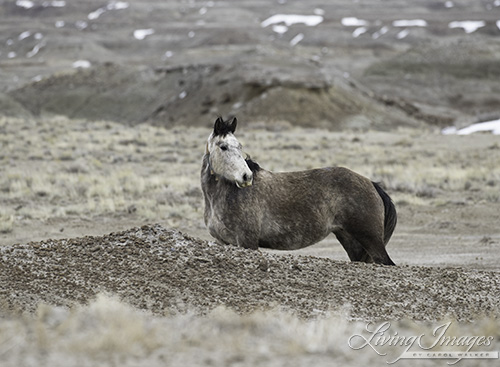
248	206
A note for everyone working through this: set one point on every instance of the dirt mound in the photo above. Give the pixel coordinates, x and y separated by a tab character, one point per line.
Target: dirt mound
165	271
297	92
175	63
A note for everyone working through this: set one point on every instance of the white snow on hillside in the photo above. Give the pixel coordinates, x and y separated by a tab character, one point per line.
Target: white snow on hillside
493	126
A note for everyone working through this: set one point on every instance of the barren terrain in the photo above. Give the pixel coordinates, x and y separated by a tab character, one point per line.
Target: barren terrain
105	109
76	178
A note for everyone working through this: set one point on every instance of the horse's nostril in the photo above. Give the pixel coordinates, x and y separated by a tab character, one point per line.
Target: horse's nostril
247	177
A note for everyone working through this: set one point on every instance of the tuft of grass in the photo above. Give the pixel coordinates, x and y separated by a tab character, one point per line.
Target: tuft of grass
6	222
108	331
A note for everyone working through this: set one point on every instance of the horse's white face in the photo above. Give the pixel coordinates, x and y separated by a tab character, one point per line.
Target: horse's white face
226	157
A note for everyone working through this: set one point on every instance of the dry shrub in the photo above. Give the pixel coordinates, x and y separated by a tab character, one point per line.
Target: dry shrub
108	332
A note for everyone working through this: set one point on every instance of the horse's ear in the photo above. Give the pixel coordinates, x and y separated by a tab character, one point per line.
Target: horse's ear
222	128
218	126
232	125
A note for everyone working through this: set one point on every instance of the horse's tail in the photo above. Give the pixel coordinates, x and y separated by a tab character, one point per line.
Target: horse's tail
390	215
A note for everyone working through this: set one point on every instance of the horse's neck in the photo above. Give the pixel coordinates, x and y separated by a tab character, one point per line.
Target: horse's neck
205	165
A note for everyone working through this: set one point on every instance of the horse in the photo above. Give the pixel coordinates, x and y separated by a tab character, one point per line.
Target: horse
248	206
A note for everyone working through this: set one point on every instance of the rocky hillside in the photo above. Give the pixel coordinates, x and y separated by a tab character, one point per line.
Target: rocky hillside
342	65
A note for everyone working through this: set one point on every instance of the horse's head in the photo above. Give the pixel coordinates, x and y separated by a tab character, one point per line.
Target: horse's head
226	157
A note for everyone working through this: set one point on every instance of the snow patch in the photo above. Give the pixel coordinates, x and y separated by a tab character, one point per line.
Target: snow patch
295	40
291	19
35	50
82	64
493	126
359	31
403	34
280	28
24	35
117	5
469	26
26	4
380	32
113	5
96	14
141	34
410	23
353	22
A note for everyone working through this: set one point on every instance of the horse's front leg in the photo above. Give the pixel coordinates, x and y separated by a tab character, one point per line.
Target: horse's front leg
247	234
247	240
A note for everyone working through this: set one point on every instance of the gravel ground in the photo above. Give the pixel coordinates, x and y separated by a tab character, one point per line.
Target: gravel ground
155	296
164	271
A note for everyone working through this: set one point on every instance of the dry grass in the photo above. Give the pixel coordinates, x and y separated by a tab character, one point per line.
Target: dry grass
58	168
6	221
61	168
81	170
108	332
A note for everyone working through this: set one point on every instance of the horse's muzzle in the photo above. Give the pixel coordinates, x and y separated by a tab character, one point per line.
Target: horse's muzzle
246	181
243	184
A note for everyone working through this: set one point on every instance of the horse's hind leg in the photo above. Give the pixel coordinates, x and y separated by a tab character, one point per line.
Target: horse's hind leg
364	248
354	250
376	250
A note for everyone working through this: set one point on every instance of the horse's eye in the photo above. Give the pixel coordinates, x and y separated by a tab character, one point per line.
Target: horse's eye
223	147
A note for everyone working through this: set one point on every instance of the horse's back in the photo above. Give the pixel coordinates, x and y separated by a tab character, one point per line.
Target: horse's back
357	201
319	185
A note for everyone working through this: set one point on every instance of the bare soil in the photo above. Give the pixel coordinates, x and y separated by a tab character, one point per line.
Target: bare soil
165	271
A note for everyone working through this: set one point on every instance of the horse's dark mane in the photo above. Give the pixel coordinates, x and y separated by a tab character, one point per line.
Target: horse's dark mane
254	166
